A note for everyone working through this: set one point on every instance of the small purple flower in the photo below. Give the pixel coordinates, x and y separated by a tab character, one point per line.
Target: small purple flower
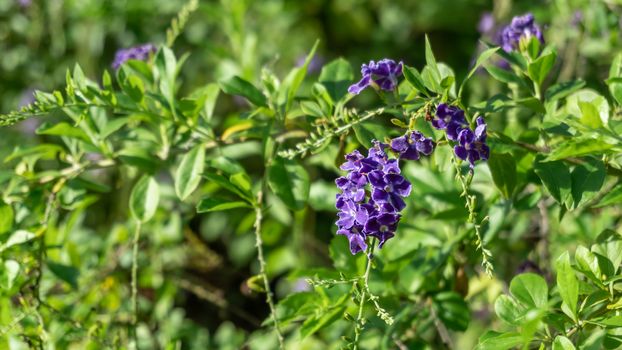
140	52
521	27
451	119
410	147
356	237
472	145
24	3
486	23
383	74
382	226
314	66
389	188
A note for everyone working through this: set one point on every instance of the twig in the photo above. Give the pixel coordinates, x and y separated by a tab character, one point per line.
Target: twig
262	268
470	205
135	282
360	323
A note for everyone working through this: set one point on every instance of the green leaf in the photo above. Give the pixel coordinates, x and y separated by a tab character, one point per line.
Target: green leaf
530	290
66	273
579	148
188	175
555	177
589	115
539	69
290	182
483	57
366	132
612	197
614	321
615	86
6	217
562	343
561	90
144	199
238	86
316	323
211	92
452	310
134	87
336	77
587	263
62	129
587	180
208	204
499	341
18	237
295	306
504	75
567	283
589	106
297	76
508	310
414	78
503	169
431	60
9	274
113	126
226	184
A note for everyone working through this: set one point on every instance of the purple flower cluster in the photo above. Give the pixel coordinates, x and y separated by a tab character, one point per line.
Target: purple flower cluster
140	52
520	27
471	144
373	190
382	74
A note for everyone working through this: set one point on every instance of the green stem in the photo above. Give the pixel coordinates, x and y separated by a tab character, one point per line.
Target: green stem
262	269
359	318
135	282
470	205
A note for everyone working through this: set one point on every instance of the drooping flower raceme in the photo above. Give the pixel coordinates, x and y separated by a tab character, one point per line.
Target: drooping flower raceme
140	52
383	74
471	144
373	191
521	27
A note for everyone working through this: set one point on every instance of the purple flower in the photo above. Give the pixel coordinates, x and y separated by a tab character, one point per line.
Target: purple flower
382	226
472	145
486	23
382	74
314	66
451	119
140	52
521	27
410	147
389	188
356	237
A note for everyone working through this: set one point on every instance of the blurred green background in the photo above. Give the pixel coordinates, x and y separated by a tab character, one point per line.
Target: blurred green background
40	40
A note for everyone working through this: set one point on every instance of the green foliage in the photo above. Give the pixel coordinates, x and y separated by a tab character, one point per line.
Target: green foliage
222	162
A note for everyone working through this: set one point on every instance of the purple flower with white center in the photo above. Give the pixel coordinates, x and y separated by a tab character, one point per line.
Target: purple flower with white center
350	214
521	27
389	188
472	145
451	119
383	75
410	146
140	52
382	226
